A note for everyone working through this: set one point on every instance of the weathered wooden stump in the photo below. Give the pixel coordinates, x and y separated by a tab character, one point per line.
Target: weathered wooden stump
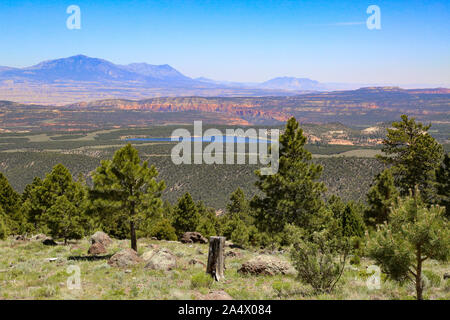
216	261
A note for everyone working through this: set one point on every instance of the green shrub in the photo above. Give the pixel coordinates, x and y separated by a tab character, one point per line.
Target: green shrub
254	236
201	280
240	234
320	260
163	230
291	234
206	227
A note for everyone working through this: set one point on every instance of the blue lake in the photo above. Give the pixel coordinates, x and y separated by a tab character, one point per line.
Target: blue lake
223	139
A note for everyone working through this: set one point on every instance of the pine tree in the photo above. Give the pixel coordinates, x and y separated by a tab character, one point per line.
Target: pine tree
65	220
292	195
348	216
10	202
380	198
240	234
186	216
209	224
238	224
4	230
127	189
351	222
31	203
414	155
415	233
238	203
443	185
41	195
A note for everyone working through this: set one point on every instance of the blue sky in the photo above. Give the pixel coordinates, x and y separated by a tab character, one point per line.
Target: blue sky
241	40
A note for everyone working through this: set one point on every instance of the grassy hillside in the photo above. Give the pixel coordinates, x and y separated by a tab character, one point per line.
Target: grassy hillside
26	272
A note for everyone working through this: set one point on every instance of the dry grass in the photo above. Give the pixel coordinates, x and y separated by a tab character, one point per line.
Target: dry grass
27	273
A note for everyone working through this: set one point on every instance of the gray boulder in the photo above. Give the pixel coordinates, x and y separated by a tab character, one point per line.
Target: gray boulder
49	242
266	265
193	237
97	248
124	258
162	259
101	237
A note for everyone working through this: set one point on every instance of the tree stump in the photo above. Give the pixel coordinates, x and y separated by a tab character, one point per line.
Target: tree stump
216	262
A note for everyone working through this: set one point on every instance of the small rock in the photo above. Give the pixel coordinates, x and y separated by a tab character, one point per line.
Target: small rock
127	271
266	265
124	258
97	248
233	254
193	237
39	237
101	237
49	242
162	259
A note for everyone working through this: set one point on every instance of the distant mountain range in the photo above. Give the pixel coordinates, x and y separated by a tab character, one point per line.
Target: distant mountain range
86	69
81	78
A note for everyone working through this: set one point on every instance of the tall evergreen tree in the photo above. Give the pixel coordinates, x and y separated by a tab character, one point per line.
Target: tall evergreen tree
127	188
10	202
42	194
31	203
46	201
209	223
351	222
443	185
4	230
414	155
380	198
238	224
185	216
348	216
65	220
238	203
293	194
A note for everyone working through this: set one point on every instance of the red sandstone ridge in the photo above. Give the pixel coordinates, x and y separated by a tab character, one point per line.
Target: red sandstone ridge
232	109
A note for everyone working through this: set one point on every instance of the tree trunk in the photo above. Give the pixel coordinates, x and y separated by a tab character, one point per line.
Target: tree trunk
133	236
419	283
216	262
